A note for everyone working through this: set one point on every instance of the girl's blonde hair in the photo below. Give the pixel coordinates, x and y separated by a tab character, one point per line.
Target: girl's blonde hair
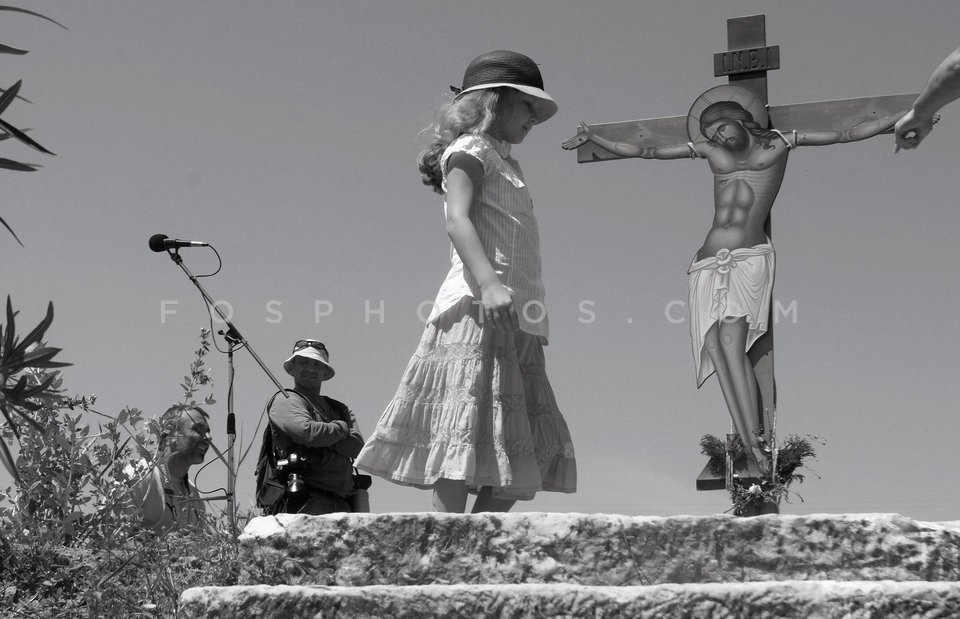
471	113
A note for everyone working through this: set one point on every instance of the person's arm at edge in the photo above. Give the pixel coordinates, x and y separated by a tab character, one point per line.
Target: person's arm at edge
941	88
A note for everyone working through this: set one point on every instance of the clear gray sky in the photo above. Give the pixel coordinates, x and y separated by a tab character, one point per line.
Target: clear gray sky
284	133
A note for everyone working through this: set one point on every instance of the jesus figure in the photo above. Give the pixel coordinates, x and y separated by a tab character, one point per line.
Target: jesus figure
731	276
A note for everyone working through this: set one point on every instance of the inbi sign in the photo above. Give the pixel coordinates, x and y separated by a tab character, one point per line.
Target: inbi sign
746	60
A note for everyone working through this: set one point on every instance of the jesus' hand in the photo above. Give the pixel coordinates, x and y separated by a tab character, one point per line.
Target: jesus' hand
582	137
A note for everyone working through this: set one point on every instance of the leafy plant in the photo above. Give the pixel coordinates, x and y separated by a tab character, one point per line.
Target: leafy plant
71	540
7	130
73	482
24	386
791	456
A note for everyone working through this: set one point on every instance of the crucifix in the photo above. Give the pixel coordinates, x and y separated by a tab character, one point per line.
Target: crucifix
746	143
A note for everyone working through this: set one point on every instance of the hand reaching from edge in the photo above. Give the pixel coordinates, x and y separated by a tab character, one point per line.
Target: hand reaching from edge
910	130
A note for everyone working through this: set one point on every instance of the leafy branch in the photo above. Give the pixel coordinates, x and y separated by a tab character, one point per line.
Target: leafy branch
7	130
22	379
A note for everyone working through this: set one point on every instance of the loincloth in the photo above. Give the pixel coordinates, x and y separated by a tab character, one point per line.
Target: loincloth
733	284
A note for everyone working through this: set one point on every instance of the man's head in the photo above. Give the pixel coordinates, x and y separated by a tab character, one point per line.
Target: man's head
727	123
309	365
190	435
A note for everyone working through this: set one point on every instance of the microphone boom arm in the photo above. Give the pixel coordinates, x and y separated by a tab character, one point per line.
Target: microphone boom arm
231	329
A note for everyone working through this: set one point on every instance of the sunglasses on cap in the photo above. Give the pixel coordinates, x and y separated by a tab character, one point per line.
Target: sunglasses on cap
301	344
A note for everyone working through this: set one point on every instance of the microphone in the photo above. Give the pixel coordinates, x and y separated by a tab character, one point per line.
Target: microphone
161	242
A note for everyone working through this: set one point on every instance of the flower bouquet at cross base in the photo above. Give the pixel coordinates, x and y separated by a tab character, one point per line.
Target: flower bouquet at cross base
789	457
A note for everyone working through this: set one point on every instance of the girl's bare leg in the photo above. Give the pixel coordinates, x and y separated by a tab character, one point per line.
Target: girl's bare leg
486	503
450	495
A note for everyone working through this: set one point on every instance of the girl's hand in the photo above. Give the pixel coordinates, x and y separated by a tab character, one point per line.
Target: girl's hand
584	133
912	128
498	308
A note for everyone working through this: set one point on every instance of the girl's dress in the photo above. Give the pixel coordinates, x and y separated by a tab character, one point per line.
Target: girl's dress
475	404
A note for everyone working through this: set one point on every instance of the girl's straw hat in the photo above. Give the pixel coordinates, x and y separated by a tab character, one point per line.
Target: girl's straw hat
514	70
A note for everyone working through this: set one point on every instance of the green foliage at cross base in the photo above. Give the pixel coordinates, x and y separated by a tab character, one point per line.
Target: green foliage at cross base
749	499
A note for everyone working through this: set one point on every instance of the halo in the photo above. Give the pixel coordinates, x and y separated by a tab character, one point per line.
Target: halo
725	92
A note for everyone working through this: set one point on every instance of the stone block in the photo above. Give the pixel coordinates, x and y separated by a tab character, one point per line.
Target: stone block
595	550
757	600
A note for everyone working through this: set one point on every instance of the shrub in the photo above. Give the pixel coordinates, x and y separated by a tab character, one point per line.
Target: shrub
71	541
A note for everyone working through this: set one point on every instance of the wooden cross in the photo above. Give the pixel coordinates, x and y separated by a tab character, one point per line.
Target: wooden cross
746	64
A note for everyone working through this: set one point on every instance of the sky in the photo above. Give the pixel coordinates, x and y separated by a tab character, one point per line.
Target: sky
284	134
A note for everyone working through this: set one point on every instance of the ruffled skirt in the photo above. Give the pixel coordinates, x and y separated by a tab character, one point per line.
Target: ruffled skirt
474	405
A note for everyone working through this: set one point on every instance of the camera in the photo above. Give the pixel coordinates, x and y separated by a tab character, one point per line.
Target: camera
292	466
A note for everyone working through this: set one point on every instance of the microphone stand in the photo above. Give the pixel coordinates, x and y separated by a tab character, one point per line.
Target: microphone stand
235	340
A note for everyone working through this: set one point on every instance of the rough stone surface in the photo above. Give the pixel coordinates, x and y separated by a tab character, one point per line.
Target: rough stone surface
598	550
821	599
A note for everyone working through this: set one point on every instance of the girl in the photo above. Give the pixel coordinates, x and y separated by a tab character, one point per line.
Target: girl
474	411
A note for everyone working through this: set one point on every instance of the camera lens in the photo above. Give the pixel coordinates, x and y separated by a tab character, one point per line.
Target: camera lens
295	484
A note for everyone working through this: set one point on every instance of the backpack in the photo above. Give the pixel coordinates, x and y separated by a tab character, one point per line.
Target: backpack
270	487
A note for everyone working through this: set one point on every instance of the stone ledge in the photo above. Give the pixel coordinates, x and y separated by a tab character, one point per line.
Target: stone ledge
821	599
599	549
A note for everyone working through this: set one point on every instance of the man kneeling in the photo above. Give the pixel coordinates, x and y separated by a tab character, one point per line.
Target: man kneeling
165	496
